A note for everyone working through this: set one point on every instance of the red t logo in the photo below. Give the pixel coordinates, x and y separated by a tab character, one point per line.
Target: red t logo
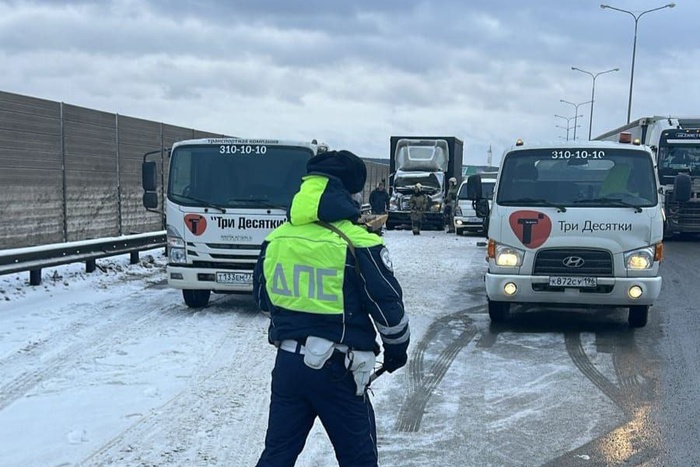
531	227
196	223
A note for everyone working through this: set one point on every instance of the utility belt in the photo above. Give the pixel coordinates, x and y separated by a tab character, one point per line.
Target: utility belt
317	351
294	346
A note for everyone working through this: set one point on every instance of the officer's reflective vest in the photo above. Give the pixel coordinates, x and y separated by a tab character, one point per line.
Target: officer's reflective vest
305	265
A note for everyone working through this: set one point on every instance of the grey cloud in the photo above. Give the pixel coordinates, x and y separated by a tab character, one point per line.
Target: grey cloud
487	69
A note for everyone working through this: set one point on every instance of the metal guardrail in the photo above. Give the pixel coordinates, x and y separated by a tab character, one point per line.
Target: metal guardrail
33	259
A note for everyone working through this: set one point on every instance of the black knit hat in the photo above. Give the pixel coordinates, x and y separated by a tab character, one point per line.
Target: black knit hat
344	165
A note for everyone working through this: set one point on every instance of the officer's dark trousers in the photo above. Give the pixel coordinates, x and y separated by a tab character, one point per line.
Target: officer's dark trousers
299	395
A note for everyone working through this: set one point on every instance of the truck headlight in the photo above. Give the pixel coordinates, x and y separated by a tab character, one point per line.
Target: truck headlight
508	256
176	255
176	247
436	207
640	259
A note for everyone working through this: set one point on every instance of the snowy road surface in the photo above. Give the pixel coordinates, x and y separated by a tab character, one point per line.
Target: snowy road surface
111	368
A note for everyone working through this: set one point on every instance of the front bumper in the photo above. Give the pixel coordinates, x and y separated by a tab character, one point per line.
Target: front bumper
475	224
611	291
684	225
181	277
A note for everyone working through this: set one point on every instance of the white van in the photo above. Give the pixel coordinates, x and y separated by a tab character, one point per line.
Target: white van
576	223
465	218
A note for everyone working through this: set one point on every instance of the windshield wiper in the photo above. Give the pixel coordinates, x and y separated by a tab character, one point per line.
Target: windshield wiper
535	202
610	202
203	203
264	202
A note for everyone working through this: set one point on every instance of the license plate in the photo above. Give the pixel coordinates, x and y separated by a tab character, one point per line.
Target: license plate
564	281
473	220
237	278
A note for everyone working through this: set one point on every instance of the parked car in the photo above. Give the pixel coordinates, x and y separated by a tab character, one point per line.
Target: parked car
465	218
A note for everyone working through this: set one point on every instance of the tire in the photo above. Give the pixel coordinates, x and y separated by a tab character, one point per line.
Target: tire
196	298
682	189
499	311
638	316
459	232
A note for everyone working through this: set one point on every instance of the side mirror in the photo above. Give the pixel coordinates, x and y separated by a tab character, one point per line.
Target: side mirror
474	192
481	207
150	199
149	178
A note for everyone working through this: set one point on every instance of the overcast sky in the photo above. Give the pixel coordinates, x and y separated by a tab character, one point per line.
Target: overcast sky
354	72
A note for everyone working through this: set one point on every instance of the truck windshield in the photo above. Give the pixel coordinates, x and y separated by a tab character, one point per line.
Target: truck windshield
405	182
578	177
677	158
251	176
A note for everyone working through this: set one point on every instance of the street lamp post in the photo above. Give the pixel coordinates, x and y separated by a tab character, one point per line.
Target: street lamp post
568	124
634	46
567	128
594	76
576	115
564	128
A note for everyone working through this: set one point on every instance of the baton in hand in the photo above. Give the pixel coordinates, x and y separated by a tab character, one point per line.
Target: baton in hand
381	370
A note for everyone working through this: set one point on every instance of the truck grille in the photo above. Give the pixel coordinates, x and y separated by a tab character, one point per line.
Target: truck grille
551	261
223	256
226	266
686	214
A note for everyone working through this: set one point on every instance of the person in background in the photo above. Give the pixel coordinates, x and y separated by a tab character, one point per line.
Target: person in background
418	203
379	199
328	286
450	204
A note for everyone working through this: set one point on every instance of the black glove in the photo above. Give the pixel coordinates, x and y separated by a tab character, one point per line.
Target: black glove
394	359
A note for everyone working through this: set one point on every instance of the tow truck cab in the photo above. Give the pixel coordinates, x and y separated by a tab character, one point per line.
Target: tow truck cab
574	224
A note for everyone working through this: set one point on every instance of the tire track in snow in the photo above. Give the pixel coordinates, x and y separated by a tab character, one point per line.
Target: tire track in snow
631	394
67	346
192	424
422	384
583	363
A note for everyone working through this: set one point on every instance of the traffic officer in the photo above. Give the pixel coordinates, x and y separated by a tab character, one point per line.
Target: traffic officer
327	284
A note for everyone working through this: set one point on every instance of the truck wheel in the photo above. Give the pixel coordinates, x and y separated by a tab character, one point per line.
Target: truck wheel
499	311
196	298
459	232
638	316
682	189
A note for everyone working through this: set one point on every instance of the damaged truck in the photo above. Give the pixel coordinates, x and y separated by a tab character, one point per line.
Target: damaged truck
426	160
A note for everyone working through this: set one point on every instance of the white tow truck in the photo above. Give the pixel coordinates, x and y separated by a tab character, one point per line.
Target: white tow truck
574	224
222	198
